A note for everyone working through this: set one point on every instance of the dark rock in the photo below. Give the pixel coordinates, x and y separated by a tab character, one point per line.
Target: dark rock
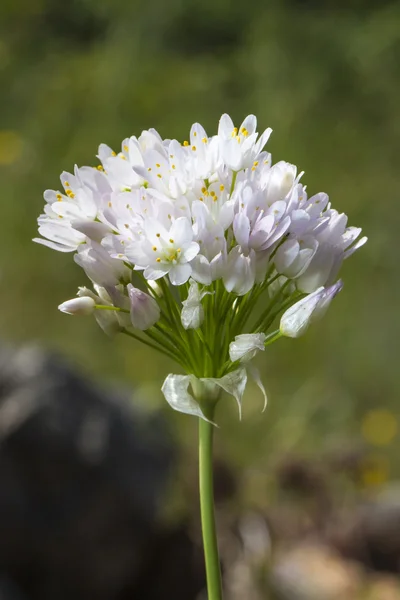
81	474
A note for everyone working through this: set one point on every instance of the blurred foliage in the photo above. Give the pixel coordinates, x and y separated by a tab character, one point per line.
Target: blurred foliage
324	75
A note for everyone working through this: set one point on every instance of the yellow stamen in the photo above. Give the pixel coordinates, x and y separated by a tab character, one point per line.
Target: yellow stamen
126	148
158	165
194	148
204	140
185	143
222	187
155	248
158	259
113	153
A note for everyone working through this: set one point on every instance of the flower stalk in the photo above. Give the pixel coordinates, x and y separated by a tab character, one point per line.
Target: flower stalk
206	485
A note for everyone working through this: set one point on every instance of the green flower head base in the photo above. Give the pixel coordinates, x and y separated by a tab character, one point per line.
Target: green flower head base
197	249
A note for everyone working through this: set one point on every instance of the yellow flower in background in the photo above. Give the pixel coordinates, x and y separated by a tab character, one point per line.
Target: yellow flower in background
375	471
379	427
10	147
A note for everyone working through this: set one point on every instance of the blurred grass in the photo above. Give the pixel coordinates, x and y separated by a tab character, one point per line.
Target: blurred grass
325	77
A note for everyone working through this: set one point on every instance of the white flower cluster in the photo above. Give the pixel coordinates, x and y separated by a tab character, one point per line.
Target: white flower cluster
211	211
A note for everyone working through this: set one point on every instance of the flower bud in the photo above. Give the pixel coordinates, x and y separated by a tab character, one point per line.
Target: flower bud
296	320
192	314
78	306
246	346
106	319
144	309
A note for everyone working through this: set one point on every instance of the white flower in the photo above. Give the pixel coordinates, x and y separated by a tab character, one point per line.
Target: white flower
145	311
246	346
78	306
296	320
239	146
167	252
212	211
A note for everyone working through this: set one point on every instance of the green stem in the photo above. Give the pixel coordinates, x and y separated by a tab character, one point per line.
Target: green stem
214	586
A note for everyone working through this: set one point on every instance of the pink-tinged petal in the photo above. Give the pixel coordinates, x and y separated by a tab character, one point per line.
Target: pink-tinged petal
278	233
318	272
286	254
356	246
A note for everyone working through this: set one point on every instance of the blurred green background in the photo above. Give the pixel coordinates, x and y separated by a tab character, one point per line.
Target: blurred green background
326	78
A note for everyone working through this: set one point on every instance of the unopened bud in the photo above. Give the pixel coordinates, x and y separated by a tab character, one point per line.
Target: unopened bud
78	306
145	311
